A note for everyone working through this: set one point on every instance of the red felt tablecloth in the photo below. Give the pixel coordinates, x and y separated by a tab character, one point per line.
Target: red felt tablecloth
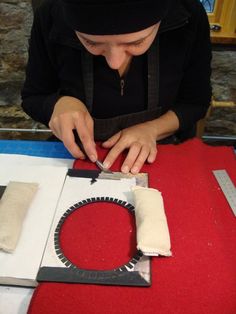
200	277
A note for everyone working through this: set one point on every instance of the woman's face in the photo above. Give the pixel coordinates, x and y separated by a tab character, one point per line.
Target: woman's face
118	49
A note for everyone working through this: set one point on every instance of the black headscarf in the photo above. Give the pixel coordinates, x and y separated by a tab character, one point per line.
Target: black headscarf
113	17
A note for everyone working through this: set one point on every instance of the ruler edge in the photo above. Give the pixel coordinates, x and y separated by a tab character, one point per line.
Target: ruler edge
231	204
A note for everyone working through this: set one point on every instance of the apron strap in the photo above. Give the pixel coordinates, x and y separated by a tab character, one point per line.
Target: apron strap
87	69
153	75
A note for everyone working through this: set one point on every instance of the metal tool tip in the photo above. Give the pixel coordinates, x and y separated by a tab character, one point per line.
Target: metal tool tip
101	166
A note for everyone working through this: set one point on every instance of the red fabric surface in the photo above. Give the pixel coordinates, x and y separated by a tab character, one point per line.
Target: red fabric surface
96	246
200	277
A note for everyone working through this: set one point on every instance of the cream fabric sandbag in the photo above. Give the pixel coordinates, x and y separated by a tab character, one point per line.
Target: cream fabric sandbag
13	207
152	230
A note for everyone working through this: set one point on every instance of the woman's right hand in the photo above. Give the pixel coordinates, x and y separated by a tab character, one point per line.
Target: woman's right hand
71	114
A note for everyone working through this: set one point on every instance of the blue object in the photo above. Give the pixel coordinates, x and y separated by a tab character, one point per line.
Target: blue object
35	148
208	5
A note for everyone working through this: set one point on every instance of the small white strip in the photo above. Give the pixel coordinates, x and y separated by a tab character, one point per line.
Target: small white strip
227	187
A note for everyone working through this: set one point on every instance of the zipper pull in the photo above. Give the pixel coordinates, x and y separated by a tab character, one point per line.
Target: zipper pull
122	85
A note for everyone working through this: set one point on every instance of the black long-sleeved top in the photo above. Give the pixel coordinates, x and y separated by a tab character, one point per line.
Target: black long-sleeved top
54	68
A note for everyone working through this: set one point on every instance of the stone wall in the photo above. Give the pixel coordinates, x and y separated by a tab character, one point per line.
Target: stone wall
15	24
222	120
224	74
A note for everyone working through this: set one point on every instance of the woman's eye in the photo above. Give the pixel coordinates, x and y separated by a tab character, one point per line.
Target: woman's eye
137	44
91	44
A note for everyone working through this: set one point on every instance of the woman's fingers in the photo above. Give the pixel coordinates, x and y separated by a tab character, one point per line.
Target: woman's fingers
113	155
132	155
136	158
112	140
67	137
84	129
69	114
153	154
116	150
141	144
139	162
137	155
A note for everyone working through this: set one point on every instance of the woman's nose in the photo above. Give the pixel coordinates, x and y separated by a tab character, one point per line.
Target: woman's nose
115	57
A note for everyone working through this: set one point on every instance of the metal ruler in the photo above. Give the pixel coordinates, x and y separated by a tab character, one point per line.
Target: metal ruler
227	187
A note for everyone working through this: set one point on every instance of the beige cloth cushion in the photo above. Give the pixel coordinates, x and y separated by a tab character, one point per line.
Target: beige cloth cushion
152	230
13	207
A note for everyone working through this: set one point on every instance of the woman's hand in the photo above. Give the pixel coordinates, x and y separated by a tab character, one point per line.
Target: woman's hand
140	140
69	114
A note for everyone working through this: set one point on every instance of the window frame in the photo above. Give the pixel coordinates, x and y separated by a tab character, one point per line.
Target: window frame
223	22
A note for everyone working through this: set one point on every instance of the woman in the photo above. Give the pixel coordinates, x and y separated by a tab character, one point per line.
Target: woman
128	73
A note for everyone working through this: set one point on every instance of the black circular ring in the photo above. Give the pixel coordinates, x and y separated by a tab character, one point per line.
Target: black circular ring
126	267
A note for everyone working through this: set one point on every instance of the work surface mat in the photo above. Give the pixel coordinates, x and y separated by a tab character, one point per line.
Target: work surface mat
200	277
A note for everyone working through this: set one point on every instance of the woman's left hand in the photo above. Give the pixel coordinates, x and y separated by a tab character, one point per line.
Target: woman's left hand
140	140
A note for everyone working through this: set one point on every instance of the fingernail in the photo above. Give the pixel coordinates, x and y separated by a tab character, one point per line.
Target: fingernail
106	164
134	170
125	169
93	158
